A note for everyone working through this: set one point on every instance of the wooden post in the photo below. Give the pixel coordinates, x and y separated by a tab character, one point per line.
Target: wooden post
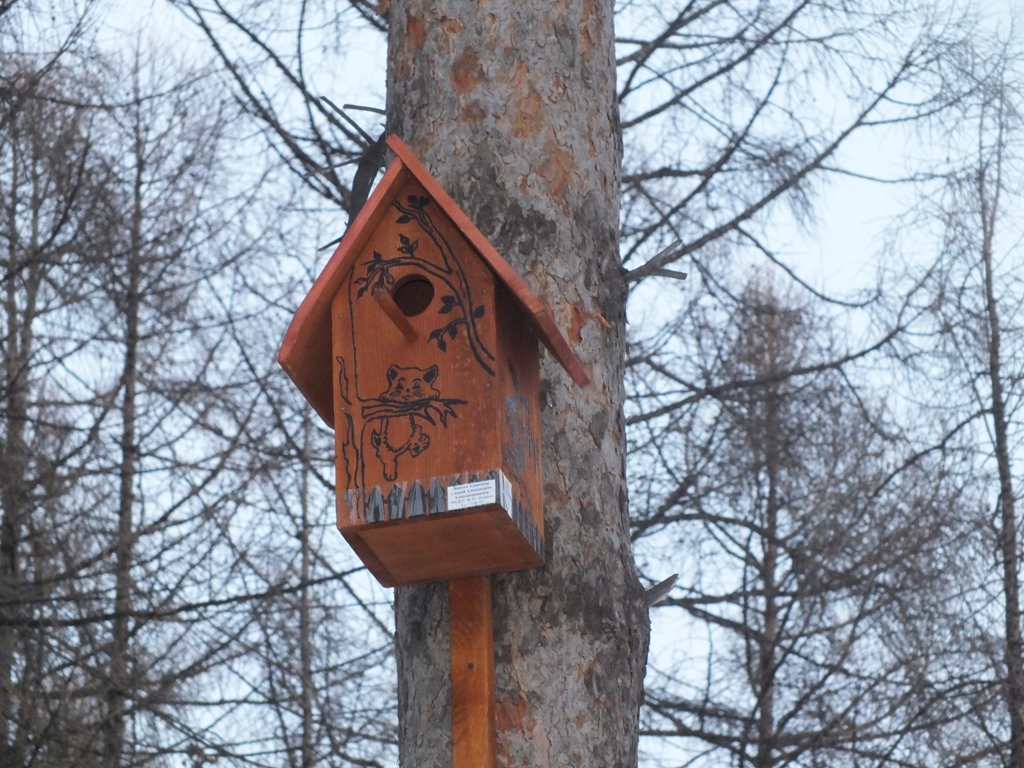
474	743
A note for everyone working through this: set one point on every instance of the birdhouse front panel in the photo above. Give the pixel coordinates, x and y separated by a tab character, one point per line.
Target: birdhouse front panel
418	345
436	413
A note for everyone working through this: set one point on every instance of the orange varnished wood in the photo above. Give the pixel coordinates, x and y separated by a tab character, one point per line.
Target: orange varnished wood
305	353
518	424
449	546
455	430
395	315
474	742
430	410
538	315
419	345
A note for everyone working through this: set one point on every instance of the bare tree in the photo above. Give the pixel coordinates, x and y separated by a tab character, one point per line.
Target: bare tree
719	132
316	684
808	537
513	109
967	346
165	593
164	156
279	73
721	138
103	416
743	139
52	191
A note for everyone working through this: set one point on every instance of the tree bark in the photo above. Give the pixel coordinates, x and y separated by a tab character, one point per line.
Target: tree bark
512	107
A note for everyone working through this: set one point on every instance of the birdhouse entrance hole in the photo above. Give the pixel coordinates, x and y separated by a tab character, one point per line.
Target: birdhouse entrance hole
412	295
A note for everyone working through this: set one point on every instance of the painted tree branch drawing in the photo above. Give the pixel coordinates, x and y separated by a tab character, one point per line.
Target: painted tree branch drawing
456	303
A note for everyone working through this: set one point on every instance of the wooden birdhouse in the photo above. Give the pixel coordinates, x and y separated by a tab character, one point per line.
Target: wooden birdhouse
418	345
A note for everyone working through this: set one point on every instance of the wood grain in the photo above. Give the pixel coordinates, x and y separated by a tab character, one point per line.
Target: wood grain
474	742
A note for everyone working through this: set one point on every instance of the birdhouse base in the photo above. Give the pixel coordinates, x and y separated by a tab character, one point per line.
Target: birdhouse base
440	529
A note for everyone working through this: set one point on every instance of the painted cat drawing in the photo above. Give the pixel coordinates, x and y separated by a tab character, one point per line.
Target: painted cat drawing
396	422
398	435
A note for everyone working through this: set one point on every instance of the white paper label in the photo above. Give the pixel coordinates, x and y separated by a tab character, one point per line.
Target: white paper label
471	495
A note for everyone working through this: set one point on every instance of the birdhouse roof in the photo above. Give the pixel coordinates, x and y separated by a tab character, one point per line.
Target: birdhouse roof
306	353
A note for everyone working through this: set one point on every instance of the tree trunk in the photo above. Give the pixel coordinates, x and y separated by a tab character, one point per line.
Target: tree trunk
120	682
21	293
769	639
15	502
512	107
305	619
1008	538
